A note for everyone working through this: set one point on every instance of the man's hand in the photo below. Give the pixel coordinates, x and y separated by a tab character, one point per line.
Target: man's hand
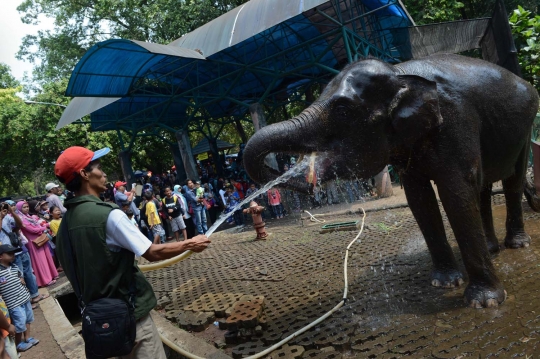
170	218
22	281
198	243
11	330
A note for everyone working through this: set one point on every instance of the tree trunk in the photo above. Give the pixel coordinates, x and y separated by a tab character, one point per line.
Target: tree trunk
187	156
383	184
240	130
125	163
259	121
181	176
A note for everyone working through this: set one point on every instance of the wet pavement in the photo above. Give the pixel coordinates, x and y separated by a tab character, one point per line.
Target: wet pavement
392	310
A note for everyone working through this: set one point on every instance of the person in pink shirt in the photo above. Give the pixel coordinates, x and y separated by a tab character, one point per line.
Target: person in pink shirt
42	261
274	200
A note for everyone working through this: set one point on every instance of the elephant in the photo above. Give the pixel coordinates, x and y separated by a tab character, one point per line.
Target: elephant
460	122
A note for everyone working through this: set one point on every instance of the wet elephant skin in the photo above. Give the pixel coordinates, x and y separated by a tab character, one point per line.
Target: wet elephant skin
460	122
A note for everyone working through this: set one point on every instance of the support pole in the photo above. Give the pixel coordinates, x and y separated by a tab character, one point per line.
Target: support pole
185	152
259	121
181	176
212	142
125	163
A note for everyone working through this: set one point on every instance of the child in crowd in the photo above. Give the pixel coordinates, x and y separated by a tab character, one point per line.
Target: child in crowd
7	345
125	207
199	191
274	200
43	210
173	209
54	224
232	201
131	217
154	222
17	298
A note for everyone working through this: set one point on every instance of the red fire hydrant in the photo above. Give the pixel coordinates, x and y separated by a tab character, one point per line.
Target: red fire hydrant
255	210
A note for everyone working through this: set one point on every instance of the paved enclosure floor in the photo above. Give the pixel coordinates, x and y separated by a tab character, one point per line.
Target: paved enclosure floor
392	311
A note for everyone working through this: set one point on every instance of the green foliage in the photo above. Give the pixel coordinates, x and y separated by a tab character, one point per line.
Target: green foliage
430	11
526	29
6	79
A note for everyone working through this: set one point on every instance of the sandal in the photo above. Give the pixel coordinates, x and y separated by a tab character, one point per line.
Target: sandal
39	298
34	306
32	341
23	346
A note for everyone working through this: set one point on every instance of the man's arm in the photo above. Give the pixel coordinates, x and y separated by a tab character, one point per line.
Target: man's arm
157	252
130	195
16	218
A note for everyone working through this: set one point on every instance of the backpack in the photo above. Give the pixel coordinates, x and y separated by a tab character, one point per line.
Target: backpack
175	201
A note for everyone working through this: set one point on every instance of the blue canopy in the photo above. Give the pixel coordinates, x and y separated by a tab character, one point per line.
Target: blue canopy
262	50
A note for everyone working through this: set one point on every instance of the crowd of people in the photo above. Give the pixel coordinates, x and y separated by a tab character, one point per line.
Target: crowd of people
162	211
28	261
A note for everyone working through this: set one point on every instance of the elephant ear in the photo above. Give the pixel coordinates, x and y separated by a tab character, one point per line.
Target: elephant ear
415	108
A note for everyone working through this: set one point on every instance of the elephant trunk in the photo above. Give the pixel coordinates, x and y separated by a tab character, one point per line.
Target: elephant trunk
299	135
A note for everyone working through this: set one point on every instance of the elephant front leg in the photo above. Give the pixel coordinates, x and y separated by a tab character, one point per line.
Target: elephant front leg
424	206
461	201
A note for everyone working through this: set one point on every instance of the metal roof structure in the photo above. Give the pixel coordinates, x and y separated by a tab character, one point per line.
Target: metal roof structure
204	146
262	51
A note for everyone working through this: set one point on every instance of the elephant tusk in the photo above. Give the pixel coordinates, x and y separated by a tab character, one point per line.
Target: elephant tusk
312	177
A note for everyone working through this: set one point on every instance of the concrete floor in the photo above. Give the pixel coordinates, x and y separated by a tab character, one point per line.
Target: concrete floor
392	311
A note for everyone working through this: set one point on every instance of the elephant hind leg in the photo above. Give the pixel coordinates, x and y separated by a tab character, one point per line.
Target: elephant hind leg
425	208
516	237
461	201
487	219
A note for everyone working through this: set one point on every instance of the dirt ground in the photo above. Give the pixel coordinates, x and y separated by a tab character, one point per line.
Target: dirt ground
47	347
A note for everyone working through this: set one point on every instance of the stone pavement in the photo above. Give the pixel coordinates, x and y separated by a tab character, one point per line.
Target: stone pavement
392	310
47	347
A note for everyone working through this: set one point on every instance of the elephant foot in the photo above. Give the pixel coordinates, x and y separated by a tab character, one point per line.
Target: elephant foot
493	246
449	278
517	239
483	296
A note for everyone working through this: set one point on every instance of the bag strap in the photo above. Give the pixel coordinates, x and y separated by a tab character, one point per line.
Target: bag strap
75	281
6	232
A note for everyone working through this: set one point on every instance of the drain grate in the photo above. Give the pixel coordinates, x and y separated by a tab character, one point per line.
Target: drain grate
340	226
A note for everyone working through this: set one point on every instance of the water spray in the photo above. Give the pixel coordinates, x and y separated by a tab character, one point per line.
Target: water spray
296	170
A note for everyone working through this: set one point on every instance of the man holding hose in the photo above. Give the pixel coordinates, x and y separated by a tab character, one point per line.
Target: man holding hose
104	244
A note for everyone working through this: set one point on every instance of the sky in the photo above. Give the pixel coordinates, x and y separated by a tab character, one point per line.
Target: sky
12	30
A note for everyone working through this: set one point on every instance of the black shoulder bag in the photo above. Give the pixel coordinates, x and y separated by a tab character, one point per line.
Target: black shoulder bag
108	324
13	238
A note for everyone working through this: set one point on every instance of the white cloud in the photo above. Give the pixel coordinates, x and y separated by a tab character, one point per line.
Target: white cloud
12	30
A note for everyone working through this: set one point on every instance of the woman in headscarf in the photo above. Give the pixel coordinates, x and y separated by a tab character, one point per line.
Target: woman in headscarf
42	261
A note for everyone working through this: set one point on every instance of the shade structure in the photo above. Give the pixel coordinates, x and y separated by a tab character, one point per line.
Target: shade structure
204	146
261	51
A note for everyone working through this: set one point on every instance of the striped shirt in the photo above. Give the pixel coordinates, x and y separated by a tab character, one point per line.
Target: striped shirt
12	290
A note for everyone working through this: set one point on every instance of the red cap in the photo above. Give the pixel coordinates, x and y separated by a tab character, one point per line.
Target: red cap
119	183
74	159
